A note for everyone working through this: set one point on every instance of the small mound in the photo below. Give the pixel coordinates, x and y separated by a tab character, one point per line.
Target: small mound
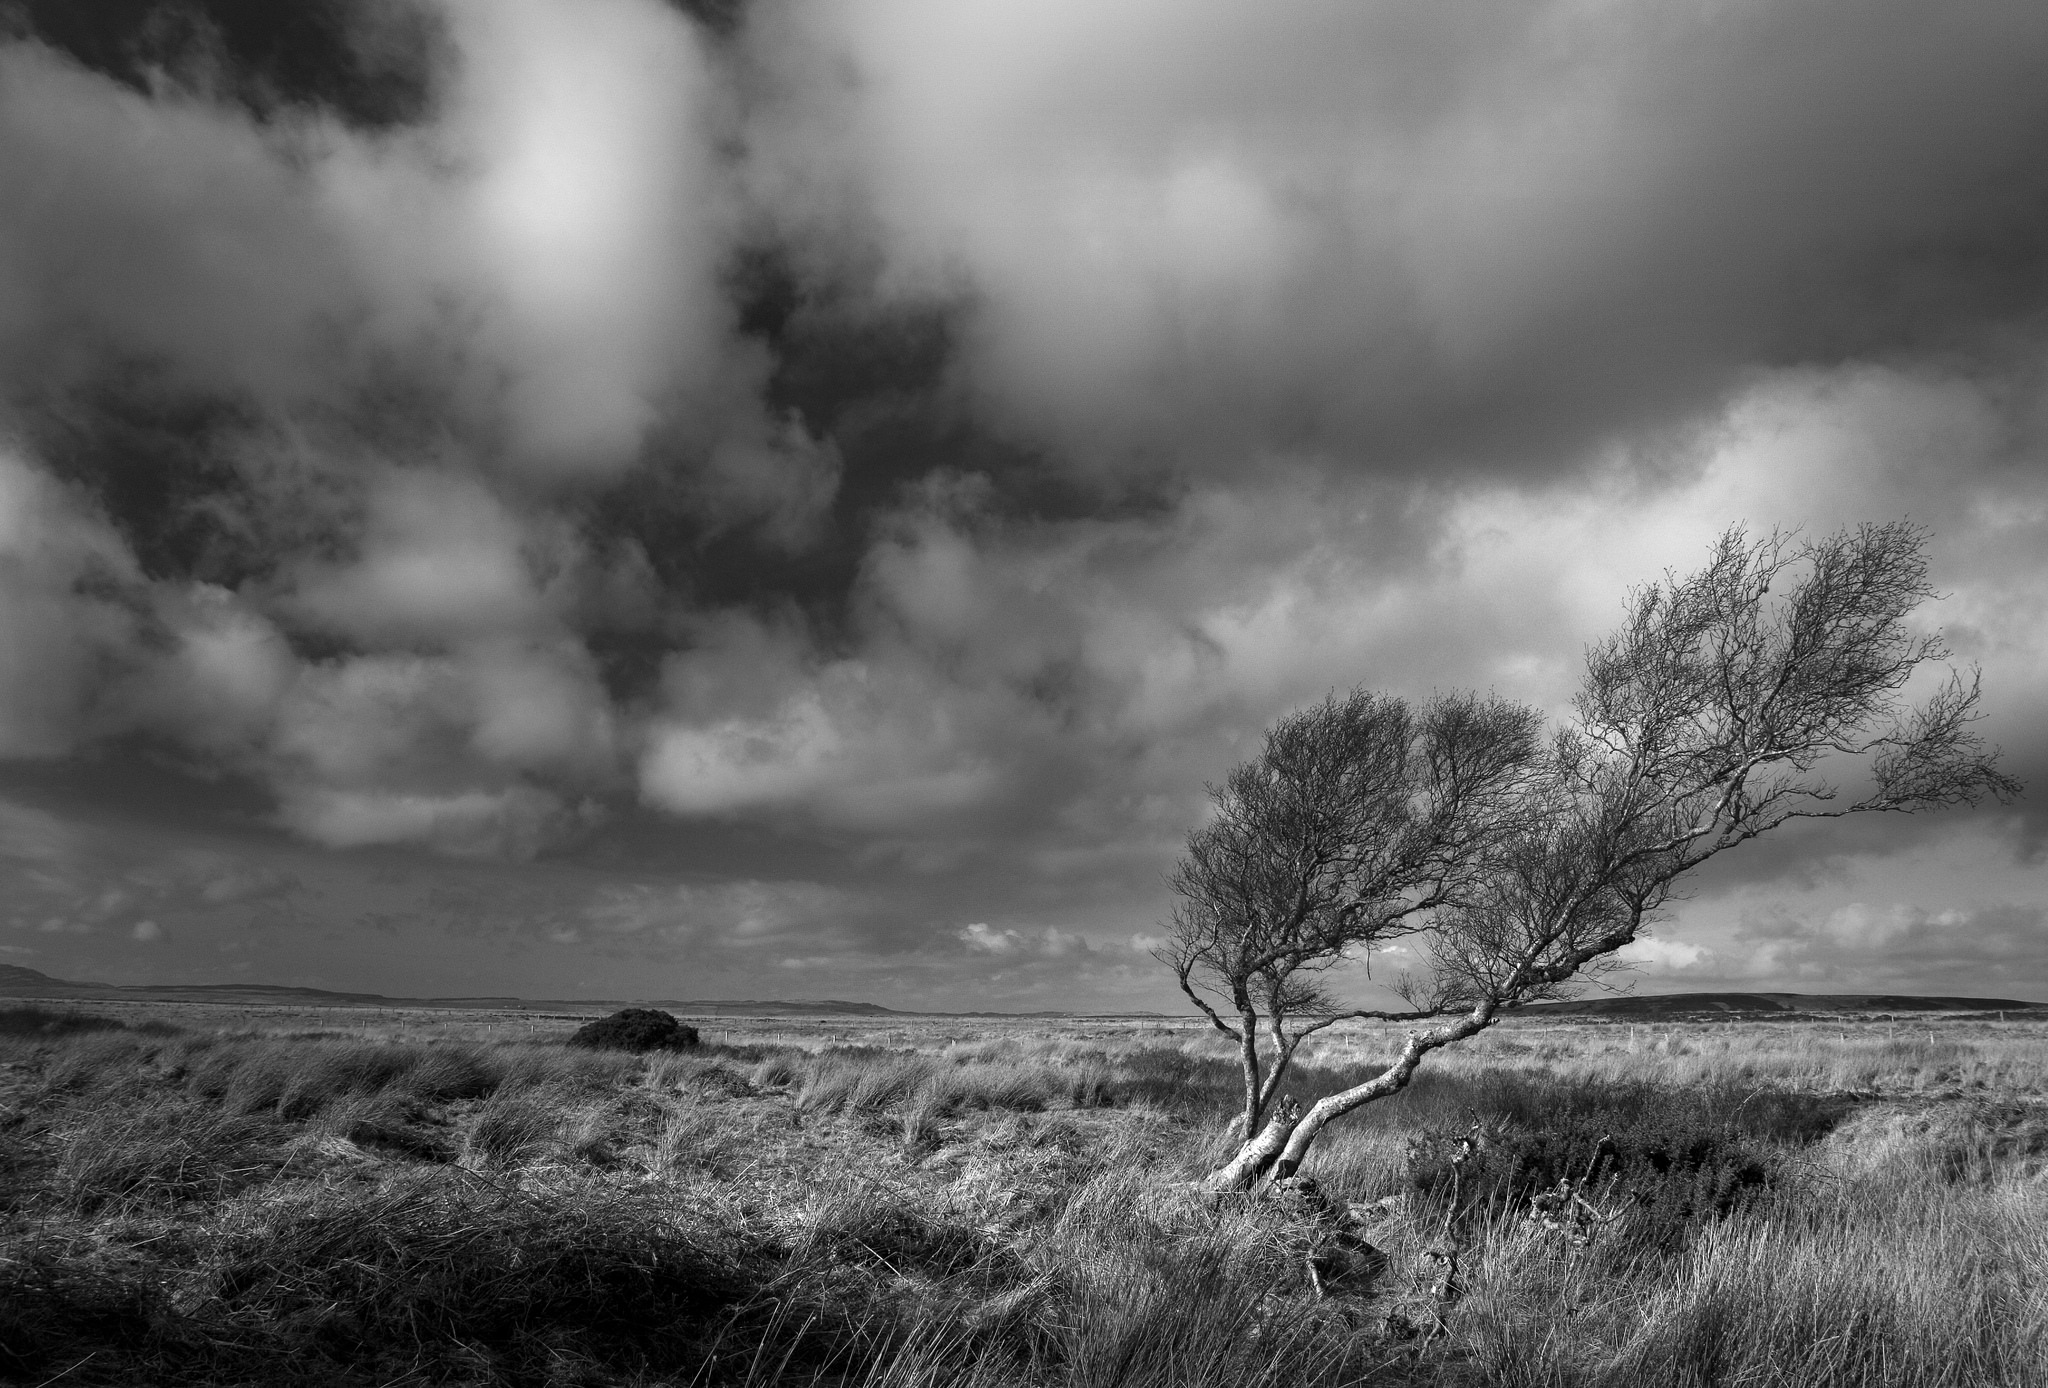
636	1029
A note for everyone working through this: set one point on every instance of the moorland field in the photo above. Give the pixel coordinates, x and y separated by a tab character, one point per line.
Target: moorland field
195	1194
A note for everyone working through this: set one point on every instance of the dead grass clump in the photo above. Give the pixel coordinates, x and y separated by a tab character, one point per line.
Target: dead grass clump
869	1083
1916	1288
95	1061
454	1072
161	1150
700	1075
513	1126
870	1227
1975	1141
880	1086
1180	1079
694	1140
922	1133
317	1076
603	1133
390	1127
446	1279
1182	1321
531	1065
1020	1089
776	1072
298	1079
260	1081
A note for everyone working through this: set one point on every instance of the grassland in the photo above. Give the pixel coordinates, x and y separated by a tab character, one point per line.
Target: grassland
194	1194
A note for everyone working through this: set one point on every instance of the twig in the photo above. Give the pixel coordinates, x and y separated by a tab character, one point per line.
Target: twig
48	1381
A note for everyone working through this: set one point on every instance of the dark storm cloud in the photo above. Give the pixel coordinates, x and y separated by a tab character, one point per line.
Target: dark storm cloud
372	62
852	471
1411	236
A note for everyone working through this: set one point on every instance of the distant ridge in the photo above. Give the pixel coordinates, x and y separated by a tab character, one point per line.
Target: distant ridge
25	983
1769	1004
19	982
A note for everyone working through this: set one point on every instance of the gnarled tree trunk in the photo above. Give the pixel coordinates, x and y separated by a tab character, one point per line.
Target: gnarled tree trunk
1283	1144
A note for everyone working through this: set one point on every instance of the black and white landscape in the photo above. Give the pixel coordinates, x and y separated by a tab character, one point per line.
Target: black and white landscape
1019	692
798	499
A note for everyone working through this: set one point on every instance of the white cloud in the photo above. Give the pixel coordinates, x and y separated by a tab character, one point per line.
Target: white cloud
514	822
1048	942
441	559
714	916
593	210
978	936
1662	957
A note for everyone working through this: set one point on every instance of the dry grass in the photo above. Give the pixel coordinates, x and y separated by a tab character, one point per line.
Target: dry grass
1814	1203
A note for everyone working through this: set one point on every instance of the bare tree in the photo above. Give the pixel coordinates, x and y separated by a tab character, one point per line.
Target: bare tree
1725	706
1357	819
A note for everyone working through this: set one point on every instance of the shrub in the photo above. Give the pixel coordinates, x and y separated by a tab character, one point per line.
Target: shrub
30	1020
1673	1158
636	1029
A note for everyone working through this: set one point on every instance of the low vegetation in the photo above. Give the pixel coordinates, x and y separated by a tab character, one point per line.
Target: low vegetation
635	1029
1572	1205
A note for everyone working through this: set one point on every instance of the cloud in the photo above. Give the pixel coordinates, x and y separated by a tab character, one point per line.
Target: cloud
1661	956
31	835
739	914
440	558
978	936
883	458
515	822
1972	948
1046	943
592	214
1419	240
64	628
1898	947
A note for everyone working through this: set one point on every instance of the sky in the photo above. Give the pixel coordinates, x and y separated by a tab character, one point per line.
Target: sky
798	498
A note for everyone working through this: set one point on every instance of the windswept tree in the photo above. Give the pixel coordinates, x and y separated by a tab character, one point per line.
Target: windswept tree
1358	819
1768	687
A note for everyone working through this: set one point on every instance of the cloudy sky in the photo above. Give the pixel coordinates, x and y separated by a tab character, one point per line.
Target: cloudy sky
795	498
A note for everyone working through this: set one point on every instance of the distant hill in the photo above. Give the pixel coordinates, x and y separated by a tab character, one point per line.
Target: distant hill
1767	1005
19	982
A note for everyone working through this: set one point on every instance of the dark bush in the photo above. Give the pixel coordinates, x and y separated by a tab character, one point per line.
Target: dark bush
1675	1158
636	1029
30	1020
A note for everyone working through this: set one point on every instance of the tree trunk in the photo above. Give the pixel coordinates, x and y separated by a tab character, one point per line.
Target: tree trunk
1258	1154
1276	1070
1388	1082
1283	1144
1248	1060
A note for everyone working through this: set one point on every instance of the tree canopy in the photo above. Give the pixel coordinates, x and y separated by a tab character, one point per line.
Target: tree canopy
1769	686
